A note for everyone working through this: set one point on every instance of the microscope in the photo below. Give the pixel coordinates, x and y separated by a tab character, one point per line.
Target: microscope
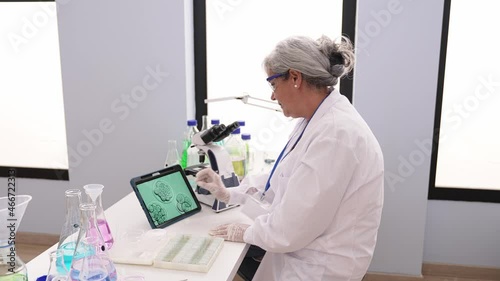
220	162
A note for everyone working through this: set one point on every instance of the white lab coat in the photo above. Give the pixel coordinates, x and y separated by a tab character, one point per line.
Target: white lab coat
326	200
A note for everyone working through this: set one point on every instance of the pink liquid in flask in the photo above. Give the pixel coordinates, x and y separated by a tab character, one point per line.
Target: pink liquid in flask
105	232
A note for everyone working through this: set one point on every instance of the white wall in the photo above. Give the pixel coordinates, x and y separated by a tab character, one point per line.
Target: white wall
119	116
395	90
463	233
106	46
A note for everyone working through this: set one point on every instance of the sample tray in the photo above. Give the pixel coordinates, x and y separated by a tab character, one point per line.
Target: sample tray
189	253
137	247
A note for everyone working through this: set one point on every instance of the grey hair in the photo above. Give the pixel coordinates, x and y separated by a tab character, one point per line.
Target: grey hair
321	62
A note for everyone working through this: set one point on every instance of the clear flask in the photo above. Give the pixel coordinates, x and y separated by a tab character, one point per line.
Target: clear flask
71	226
57	269
204	123
172	154
92	261
94	193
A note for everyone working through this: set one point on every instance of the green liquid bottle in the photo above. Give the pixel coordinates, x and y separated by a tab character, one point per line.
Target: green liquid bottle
186	143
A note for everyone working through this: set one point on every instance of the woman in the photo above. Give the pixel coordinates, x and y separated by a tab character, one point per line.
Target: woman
325	192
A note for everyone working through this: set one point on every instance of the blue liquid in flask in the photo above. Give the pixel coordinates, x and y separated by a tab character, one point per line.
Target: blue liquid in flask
68	251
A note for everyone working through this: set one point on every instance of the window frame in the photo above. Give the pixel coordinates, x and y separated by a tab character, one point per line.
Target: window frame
200	53
446	193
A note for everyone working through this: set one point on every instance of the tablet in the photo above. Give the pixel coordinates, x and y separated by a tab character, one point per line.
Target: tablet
166	196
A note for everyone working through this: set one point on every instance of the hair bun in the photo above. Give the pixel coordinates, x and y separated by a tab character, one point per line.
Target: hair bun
327	46
340	55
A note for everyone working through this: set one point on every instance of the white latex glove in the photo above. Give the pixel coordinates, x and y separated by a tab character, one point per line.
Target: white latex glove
211	181
230	231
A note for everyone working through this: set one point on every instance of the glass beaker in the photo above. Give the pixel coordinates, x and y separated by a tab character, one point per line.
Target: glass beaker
12	209
57	269
94	193
12	268
71	226
172	154
91	260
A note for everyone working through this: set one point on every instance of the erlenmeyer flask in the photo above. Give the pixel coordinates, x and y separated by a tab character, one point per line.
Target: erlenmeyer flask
71	227
57	269
172	154
93	263
94	193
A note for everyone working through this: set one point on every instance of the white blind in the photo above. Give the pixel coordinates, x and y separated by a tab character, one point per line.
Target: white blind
469	147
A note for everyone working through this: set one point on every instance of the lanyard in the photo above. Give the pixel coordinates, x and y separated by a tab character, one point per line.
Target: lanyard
268	184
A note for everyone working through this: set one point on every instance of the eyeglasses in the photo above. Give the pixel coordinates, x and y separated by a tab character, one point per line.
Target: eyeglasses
272	77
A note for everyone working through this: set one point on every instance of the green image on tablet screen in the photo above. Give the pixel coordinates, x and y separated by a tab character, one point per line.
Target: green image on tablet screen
166	197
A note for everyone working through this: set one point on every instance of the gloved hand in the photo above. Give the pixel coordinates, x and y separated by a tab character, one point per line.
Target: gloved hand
230	231
211	181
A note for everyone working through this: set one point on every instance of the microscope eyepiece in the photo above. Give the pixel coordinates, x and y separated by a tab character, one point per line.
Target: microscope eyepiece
212	133
218	132
229	129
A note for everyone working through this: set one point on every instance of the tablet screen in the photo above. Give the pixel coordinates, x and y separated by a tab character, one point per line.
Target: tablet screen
165	196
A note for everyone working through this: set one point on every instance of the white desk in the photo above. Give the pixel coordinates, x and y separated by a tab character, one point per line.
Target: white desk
127	214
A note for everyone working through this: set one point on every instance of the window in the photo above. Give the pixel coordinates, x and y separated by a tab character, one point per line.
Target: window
232	39
466	153
32	115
